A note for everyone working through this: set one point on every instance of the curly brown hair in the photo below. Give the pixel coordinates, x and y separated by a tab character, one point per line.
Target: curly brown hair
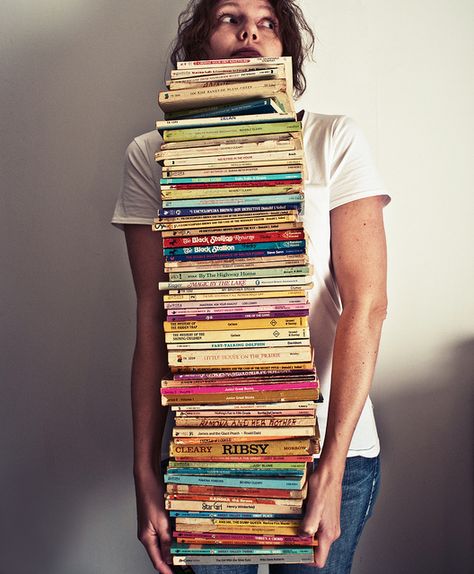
195	24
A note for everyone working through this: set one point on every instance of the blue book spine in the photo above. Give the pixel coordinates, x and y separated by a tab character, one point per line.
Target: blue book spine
193	211
234	247
261	106
224	120
234	482
185	514
234	201
231	178
234	255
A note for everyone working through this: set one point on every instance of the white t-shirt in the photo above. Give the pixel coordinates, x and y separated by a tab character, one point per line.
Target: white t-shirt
340	169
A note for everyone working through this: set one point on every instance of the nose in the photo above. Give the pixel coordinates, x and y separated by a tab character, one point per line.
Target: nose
248	30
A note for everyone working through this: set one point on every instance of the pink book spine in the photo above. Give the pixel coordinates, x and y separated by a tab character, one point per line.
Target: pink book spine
236	302
297	540
239	389
239	374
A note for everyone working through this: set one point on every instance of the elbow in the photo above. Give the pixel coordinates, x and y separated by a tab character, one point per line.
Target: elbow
371	310
378	310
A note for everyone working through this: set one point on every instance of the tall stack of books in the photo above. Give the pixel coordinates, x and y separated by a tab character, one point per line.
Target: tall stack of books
243	384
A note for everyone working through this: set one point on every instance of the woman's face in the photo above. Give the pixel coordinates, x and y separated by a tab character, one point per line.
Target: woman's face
244	29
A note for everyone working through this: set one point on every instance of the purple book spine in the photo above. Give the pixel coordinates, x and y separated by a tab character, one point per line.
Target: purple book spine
227	316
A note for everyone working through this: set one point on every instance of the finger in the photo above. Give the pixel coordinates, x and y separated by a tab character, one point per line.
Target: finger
165	543
311	520
310	523
321	551
151	543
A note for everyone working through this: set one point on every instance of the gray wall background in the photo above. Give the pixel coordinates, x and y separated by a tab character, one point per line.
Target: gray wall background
79	80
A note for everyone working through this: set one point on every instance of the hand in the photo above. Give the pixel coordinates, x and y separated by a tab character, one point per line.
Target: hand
323	513
153	522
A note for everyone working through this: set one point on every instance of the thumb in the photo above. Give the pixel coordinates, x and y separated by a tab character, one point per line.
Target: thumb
312	517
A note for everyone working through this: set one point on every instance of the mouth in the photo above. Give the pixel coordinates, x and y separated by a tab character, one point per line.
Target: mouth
246	53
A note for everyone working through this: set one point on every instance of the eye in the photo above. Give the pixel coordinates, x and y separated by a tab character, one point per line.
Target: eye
269	23
228	19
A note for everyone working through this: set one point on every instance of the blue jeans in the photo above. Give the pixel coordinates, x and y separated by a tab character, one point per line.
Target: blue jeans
359	490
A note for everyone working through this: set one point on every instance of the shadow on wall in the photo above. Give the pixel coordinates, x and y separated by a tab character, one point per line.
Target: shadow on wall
423	520
76	89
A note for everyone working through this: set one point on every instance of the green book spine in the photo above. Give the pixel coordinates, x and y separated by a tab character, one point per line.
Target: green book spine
241	273
230	131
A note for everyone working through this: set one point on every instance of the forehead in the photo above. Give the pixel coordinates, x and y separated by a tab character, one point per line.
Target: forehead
242	4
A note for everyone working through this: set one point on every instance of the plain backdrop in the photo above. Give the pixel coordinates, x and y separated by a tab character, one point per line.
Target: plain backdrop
78	80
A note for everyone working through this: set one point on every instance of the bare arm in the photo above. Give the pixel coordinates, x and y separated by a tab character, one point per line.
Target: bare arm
359	259
149	417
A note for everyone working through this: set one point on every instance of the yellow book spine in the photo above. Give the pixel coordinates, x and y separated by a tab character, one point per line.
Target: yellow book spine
238	295
273	323
262	449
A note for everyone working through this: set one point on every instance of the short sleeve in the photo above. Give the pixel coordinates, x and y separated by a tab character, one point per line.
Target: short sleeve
353	174
139	197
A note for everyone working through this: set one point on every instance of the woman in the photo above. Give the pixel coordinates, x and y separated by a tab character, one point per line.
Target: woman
343	218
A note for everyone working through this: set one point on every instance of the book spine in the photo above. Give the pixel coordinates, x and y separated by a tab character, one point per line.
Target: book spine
228	291
207	185
237	158
251	539
231	76
221	150
227	422
289	558
238	324
295	447
234	247
217	490
234	201
202	335
232	482
236	91
231	356
241	191
238	522
233	472
274	302
234	238
200	549
245	397
235	368
279	167
219	222
181	416
237	130
258	282
267	139
246	515
237	345
273	466
199	506
235	499
205	297
197	549
238	315
259	106
229	62
226	120
236	254
295	177
248	432
235	306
